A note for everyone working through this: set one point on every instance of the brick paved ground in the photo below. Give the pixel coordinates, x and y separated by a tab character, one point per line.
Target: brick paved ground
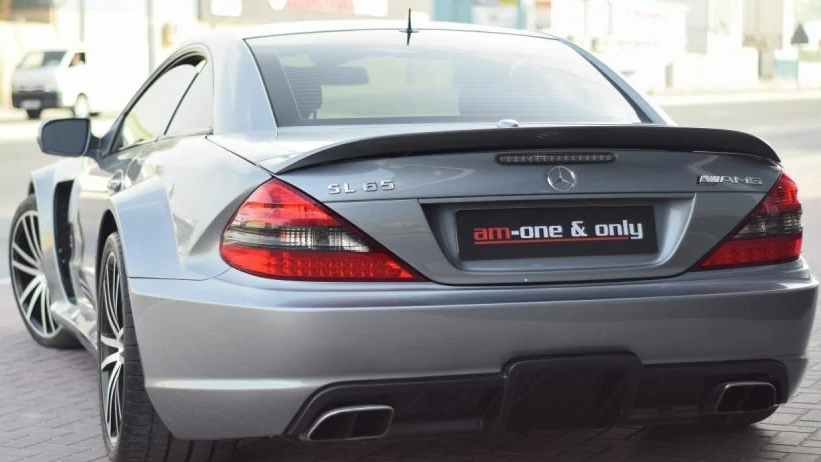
48	412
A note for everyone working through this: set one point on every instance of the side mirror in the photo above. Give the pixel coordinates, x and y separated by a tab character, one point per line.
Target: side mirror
65	137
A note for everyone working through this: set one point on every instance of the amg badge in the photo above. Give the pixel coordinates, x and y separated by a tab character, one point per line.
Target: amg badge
709	180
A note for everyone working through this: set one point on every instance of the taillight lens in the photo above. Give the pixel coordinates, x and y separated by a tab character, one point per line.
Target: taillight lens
281	233
770	234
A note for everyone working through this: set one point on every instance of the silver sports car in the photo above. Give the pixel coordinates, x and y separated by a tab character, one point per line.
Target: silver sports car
341	231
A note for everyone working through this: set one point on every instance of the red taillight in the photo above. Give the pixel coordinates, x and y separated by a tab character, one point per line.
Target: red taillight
770	234
281	233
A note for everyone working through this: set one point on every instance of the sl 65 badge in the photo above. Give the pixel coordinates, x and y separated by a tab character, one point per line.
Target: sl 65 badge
371	186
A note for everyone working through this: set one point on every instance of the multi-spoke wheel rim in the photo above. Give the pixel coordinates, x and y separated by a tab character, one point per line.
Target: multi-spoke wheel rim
28	278
111	348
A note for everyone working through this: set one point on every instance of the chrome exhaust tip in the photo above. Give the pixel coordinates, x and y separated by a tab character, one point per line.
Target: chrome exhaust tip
741	397
351	423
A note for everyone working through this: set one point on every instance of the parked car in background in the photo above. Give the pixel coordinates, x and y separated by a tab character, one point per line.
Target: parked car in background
55	78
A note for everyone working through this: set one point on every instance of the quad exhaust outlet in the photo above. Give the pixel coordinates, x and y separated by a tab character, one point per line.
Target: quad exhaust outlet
351	423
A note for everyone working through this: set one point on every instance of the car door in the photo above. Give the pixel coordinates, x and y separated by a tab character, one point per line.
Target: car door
76	77
103	175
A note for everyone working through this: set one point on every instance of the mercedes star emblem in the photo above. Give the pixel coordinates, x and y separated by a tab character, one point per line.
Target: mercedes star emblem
561	179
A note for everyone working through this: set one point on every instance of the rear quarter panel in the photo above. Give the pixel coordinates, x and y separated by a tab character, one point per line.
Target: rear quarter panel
180	194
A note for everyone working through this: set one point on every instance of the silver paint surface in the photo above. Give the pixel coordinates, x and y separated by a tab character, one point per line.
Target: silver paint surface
227	354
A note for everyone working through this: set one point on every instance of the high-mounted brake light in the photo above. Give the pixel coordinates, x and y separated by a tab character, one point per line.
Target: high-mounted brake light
279	232
770	234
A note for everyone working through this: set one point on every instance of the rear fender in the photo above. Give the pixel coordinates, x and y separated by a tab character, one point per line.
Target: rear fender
182	196
146	227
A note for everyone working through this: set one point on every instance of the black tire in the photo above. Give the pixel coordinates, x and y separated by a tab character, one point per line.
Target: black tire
39	330
34	114
142	436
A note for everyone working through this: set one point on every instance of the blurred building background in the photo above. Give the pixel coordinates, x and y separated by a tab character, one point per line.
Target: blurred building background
681	44
658	44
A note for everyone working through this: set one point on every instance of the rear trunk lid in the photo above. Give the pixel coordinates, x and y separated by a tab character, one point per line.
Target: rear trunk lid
534	205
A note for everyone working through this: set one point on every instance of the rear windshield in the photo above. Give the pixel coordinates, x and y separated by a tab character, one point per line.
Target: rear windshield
39	59
374	76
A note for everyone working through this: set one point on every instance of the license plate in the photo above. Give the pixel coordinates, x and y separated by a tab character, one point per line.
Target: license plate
555	232
31	104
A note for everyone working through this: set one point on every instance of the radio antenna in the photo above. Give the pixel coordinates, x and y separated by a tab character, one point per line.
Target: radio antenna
410	29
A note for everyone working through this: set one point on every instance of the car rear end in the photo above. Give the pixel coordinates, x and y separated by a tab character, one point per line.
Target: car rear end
414	267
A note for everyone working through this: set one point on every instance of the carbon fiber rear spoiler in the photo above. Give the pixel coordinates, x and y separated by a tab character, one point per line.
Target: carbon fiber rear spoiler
651	137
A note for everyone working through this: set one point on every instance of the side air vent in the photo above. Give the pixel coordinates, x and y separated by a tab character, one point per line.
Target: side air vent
62	235
544	158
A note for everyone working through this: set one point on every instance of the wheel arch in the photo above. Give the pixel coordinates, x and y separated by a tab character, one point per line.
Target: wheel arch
88	100
108	225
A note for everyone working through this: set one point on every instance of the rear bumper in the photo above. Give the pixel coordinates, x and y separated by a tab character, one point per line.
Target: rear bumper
241	357
46	99
559	392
